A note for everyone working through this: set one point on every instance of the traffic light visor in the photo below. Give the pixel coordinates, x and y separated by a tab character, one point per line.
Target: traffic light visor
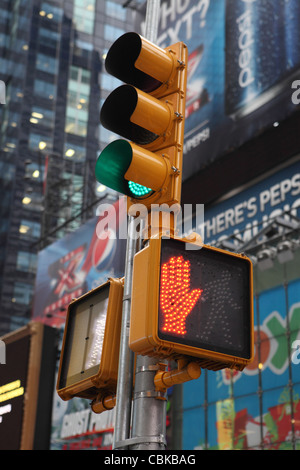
135	115
138	62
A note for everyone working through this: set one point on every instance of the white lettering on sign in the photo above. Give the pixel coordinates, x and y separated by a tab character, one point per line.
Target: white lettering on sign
245	42
184	11
252	211
86	421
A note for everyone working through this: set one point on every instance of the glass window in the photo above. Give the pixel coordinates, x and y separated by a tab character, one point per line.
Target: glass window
48	38
51	12
78	101
74	152
42	116
84	15
115	10
4	226
83	48
3	40
10	145
46	63
44	89
22	293
39	142
7	171
111	33
34	171
32	201
29	229
26	261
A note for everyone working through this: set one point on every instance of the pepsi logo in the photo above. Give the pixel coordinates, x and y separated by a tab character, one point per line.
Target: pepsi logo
104	249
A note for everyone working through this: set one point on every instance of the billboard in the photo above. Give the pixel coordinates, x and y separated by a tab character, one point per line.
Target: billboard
246	213
244	61
26	384
67	269
80	262
259	407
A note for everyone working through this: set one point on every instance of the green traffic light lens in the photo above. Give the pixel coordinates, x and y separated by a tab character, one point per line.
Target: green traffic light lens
138	190
111	167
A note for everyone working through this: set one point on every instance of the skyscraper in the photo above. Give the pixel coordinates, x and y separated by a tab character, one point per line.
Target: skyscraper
51	63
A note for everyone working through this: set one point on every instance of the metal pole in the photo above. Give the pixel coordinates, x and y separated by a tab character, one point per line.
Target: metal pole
148	417
126	356
149	405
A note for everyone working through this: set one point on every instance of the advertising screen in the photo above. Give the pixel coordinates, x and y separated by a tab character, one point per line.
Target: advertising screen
80	262
13	378
243	70
26	384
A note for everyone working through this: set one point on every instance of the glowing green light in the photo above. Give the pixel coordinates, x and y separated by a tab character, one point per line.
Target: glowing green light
138	190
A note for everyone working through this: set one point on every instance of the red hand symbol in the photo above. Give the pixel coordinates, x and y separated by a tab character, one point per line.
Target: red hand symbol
176	299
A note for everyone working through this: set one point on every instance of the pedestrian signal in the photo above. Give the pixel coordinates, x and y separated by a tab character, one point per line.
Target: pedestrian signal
149	111
90	350
192	302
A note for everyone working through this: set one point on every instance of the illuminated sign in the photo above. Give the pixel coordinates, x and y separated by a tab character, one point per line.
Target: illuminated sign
26	388
195	303
11	390
176	299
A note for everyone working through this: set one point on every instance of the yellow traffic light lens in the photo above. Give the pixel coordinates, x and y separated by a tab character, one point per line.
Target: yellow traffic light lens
138	190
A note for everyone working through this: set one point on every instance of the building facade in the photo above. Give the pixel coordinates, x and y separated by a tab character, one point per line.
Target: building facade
51	63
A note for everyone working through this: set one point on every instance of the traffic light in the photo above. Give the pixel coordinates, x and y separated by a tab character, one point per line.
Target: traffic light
192	303
90	349
149	111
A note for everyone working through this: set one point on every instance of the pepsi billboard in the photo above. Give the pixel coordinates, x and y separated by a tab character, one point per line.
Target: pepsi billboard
80	262
243	70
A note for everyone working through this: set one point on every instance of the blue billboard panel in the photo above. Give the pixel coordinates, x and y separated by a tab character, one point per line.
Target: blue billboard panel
243	70
246	213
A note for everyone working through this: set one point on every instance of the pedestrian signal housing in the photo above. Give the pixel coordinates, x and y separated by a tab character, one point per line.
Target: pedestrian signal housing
149	111
91	342
192	302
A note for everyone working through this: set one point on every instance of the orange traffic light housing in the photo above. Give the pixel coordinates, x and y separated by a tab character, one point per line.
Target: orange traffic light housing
90	349
149	111
192	303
